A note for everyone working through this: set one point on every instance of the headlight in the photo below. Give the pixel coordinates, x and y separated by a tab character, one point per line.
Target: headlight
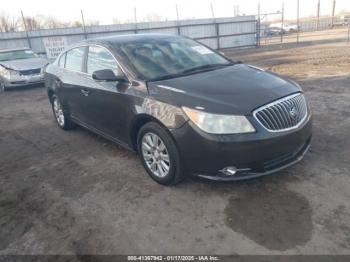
43	69
219	124
9	73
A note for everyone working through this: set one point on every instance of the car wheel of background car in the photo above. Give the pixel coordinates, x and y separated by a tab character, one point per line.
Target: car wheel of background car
61	117
2	86
159	154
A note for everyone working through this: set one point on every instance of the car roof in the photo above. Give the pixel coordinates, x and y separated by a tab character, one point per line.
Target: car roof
12	50
130	38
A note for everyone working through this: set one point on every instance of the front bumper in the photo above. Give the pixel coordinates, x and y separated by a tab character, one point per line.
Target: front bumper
24	80
253	155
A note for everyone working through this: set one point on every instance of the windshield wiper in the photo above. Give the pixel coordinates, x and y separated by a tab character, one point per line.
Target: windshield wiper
191	70
166	77
204	67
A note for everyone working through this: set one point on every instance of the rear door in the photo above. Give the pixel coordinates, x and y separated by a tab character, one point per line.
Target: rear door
73	82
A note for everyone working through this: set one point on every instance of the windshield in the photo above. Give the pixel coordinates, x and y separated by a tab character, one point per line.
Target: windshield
165	58
17	54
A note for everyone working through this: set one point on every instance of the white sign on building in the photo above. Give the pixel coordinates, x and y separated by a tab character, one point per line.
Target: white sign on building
54	45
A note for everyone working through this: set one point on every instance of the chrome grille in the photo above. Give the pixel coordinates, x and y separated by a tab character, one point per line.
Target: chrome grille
283	114
30	72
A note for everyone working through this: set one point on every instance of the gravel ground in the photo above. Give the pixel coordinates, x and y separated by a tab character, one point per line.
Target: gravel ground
76	193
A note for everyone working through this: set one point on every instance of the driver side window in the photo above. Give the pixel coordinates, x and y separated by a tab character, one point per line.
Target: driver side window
99	58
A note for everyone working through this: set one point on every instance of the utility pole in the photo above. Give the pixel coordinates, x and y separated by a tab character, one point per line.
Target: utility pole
258	25
83	22
212	10
236	10
318	15
216	27
282	22
135	15
178	20
26	29
298	27
333	12
177	12
348	32
135	19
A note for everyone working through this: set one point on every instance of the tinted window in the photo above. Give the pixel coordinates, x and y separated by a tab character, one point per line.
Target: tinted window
74	59
99	58
62	60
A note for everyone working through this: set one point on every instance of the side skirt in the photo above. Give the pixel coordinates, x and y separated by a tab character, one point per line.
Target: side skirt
102	134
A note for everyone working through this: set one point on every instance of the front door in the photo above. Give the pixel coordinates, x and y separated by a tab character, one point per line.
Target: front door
106	103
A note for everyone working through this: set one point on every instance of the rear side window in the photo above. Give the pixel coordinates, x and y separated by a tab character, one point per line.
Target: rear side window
100	58
74	59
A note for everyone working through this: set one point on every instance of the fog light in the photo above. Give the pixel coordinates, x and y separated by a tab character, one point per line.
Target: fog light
229	171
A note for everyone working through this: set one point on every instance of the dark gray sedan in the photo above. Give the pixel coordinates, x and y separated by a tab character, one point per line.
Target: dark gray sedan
183	107
20	67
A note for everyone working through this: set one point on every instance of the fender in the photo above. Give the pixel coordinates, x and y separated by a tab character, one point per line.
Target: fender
169	115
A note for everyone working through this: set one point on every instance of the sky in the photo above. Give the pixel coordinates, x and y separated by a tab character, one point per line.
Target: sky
107	10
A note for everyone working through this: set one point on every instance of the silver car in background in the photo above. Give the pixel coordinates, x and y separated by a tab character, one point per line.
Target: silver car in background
20	67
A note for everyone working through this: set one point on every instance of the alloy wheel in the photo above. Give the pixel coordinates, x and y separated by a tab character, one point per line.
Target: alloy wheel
57	108
155	155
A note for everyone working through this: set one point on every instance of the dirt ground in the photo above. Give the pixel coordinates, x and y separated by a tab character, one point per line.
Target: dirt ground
76	193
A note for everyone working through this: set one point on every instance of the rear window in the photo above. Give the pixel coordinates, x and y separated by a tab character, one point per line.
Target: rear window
74	59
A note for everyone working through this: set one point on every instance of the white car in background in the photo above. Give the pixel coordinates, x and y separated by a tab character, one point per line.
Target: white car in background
20	67
286	27
342	21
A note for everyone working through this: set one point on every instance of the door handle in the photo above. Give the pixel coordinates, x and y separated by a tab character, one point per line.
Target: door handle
85	92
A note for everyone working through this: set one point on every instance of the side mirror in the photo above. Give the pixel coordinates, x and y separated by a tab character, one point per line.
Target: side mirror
107	75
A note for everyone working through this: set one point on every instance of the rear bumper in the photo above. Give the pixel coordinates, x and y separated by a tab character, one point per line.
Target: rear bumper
253	155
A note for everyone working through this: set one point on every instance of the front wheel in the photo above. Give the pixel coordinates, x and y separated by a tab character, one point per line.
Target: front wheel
2	87
159	154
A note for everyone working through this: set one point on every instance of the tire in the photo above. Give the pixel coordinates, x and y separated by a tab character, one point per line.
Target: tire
2	87
62	118
155	160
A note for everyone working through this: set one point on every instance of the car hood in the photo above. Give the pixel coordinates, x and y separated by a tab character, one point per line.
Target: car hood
237	89
24	64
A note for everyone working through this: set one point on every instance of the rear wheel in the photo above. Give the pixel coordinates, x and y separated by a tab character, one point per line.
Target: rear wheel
62	118
159	154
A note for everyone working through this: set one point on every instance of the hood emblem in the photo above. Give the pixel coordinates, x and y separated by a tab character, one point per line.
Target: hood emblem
293	112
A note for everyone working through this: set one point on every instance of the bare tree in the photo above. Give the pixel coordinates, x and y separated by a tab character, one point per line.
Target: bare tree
344	12
8	23
76	23
117	21
123	21
32	23
152	18
51	22
92	22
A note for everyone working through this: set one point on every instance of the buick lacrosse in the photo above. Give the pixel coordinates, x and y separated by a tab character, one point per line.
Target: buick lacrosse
183	107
